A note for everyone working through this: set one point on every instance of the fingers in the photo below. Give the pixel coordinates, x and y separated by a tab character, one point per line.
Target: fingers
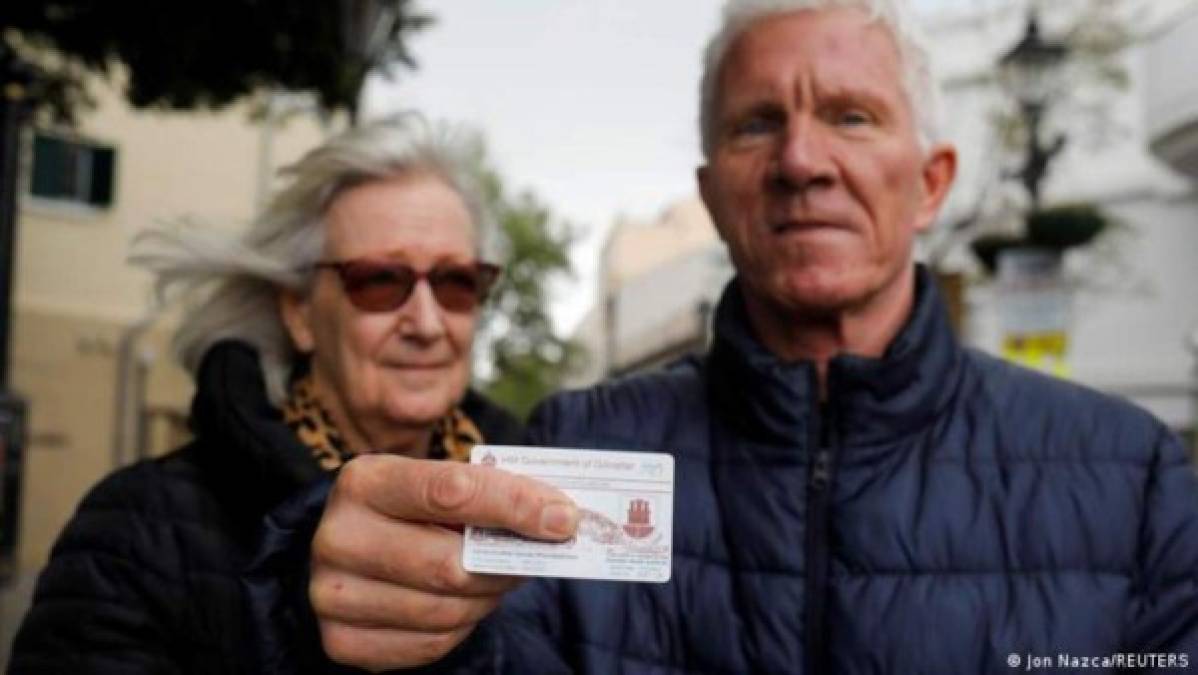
452	493
345	598
380	649
387	583
416	556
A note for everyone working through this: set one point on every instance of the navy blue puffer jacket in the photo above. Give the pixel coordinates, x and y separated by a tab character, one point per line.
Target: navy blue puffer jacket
942	512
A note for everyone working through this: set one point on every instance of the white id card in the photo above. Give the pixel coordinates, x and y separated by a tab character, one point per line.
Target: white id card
627	524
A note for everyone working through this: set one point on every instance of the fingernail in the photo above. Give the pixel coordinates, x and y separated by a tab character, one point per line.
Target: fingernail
557	519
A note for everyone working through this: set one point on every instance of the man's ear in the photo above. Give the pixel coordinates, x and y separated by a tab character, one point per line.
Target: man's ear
939	172
297	312
707	193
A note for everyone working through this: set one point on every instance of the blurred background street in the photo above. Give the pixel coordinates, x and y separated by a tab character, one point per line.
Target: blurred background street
1069	244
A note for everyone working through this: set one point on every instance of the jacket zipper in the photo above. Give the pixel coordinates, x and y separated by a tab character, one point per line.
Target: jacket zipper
819	498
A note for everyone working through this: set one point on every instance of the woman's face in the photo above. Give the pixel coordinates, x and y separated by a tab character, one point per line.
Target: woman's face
387	374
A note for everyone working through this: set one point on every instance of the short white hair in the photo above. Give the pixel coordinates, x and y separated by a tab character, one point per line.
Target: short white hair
246	273
919	83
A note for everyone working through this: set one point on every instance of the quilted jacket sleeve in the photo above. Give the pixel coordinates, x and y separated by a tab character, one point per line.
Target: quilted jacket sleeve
100	603
1165	616
284	638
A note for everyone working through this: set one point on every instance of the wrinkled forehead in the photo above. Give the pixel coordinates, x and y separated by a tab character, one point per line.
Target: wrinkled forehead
845	46
406	213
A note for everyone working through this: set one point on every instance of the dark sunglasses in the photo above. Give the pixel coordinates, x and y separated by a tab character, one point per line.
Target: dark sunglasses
384	286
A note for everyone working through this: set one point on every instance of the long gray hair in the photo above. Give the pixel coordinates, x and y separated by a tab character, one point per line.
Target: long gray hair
246	273
919	83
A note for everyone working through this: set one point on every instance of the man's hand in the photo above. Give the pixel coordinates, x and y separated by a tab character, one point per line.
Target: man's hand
387	582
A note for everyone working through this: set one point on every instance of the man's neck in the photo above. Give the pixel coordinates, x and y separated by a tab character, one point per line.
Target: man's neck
865	329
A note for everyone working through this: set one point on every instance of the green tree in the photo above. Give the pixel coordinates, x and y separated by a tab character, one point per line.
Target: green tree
521	356
186	55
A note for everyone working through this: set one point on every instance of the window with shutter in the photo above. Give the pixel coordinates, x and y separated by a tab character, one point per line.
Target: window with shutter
72	170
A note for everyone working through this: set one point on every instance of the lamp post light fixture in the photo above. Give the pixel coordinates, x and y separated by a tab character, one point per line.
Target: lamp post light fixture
1033	72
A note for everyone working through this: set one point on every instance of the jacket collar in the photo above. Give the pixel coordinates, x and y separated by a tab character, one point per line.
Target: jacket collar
871	400
246	442
242	435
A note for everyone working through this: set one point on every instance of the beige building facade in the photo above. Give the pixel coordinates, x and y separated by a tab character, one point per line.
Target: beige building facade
98	377
659	278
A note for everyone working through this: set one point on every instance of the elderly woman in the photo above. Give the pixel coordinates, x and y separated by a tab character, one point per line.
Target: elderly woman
340	324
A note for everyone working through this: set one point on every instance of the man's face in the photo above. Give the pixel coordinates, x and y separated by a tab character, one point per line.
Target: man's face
816	180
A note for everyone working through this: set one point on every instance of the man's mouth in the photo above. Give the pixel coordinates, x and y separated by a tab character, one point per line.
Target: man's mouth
790	225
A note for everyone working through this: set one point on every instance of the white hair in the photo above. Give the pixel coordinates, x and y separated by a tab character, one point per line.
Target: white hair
919	84
246	273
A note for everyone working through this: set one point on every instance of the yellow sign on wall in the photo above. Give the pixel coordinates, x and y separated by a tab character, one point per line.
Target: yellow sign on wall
1045	351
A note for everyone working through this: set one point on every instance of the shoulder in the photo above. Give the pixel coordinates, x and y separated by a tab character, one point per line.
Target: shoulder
171	486
162	514
1062	415
635	411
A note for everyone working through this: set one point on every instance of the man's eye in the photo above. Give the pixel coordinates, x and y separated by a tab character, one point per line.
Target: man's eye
754	125
853	118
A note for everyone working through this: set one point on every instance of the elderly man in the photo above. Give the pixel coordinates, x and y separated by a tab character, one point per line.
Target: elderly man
856	492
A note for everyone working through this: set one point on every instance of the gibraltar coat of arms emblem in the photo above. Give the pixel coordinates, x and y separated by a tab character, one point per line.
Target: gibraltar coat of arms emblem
640	519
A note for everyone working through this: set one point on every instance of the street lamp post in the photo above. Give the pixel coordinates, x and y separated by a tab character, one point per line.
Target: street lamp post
1032	72
16	80
1035	311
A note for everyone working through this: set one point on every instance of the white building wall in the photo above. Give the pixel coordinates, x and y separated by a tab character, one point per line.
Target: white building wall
1171	88
1133	314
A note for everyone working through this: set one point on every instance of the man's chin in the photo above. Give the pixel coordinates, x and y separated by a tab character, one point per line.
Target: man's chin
822	291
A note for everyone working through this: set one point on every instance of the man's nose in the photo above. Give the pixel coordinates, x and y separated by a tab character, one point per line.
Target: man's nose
803	161
421	318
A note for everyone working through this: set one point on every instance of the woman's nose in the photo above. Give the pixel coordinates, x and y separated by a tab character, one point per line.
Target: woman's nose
420	317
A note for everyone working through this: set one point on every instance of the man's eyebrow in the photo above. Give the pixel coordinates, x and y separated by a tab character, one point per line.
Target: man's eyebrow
873	97
754	106
752	103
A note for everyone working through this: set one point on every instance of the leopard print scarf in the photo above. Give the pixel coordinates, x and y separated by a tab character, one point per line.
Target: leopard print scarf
453	435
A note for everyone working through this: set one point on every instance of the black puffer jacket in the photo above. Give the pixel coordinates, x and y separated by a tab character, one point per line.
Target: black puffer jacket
144	579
